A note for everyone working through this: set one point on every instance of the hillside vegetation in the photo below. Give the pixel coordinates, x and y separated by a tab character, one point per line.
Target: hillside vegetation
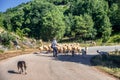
76	19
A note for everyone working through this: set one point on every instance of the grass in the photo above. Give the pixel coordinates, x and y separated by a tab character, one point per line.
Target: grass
110	64
1	51
114	38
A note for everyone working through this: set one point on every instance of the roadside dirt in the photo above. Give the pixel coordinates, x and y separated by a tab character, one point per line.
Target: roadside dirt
13	53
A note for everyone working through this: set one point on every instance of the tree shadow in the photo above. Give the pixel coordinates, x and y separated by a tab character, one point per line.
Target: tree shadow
76	58
44	54
35	53
13	72
112	61
115	59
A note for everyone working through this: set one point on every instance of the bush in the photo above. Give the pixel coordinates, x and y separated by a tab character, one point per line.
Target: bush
1	51
5	38
115	38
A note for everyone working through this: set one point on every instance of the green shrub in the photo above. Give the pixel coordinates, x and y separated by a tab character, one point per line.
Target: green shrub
5	38
115	38
1	51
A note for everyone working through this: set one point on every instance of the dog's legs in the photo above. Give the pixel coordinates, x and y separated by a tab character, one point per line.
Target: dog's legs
18	68
19	71
22	69
25	72
25	67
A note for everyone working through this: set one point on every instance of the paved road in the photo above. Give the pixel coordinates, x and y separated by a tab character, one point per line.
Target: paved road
103	48
45	67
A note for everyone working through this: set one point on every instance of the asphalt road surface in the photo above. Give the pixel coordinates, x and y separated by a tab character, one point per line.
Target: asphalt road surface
65	67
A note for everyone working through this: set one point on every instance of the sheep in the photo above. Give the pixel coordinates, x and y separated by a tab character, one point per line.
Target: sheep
78	49
69	48
66	48
49	48
62	48
59	49
93	43
41	48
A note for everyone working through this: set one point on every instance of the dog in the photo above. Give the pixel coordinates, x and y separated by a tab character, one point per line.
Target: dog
103	53
21	65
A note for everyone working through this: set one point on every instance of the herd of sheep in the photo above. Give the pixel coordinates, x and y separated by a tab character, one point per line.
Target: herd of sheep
73	48
63	48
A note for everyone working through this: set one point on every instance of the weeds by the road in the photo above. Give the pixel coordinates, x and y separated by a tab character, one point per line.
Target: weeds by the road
110	64
12	53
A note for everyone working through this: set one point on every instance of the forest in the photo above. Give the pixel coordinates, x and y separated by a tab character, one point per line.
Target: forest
72	19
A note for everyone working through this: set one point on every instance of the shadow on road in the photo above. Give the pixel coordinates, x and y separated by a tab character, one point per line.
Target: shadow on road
77	59
12	72
69	58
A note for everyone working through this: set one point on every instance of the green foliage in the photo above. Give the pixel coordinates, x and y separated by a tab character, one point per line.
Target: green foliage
69	22
82	19
53	25
98	10
59	2
16	22
114	15
1	51
22	32
5	38
106	28
115	38
83	26
1	20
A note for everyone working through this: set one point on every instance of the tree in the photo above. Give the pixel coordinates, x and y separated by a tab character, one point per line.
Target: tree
83	27
17	22
22	32
52	23
45	19
1	19
106	28
114	15
69	23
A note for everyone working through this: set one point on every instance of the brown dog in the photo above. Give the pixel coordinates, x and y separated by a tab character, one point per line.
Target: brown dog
21	65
